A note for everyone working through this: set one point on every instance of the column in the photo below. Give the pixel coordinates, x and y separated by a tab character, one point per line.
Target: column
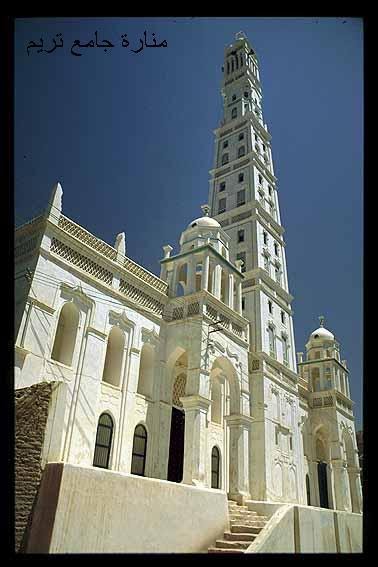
355	489
341	486
239	426
217	280
205	272
191	276
195	443
230	290
238	302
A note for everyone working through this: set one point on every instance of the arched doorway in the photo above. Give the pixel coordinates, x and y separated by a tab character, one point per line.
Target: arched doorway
323	485
308	490
177	434
322	473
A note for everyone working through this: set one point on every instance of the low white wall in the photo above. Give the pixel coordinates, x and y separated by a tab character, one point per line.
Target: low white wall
349	528
316	530
105	511
305	529
278	534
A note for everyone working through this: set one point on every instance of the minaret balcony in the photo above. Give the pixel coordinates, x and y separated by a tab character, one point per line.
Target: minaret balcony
209	309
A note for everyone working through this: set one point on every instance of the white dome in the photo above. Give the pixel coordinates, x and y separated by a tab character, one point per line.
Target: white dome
322	333
203	222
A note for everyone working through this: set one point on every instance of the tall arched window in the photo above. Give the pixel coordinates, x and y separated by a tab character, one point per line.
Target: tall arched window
215	468
65	337
103	441
138	460
114	357
146	370
234	113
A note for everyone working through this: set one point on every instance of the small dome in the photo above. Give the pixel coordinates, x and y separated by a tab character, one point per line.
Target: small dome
204	222
322	333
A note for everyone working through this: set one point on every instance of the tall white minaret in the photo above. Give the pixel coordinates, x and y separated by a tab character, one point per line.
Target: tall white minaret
243	197
244	200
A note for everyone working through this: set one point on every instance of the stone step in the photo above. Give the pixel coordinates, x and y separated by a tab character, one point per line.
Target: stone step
239	536
253	518
220	550
243	529
228	544
250	522
245	514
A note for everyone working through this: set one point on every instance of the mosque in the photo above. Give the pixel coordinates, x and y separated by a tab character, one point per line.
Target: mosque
180	397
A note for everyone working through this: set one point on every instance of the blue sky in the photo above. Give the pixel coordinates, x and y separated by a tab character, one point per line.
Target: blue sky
130	138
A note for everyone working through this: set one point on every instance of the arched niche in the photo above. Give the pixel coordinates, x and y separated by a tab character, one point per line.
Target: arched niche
216	400
146	370
66	332
223	366
114	357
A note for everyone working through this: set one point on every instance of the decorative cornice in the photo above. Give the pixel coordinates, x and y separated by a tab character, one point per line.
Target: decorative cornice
38	303
120	319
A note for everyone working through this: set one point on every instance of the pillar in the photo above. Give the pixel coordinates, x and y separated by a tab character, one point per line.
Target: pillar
238	299
239	426
191	276
205	272
217	281
195	441
230	291
341	486
355	489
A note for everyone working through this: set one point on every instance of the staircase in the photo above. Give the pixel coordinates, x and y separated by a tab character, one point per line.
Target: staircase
245	525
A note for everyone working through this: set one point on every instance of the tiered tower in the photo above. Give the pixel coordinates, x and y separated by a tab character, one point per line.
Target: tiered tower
243	198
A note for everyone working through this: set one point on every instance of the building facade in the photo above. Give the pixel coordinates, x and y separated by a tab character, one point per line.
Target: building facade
189	377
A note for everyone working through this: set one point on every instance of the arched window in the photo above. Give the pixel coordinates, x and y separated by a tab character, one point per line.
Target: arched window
103	441
146	370
138	461
234	113
114	357
215	468
65	337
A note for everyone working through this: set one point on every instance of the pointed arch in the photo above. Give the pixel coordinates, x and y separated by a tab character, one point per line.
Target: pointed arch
223	365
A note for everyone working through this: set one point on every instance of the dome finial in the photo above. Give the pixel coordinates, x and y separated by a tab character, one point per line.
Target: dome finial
205	210
321	319
240	35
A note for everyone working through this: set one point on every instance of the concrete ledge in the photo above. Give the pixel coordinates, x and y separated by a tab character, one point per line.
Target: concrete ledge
101	511
306	529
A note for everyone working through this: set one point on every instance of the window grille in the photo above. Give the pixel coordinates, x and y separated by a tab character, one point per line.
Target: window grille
179	390
215	468
138	460
103	441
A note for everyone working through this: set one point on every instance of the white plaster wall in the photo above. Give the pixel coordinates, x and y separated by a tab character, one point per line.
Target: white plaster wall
316	530
107	512
278	535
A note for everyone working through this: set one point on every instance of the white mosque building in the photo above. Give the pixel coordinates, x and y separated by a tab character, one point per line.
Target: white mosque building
183	388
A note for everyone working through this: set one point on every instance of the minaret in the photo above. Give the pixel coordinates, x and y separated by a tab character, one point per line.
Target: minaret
331	451
244	200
